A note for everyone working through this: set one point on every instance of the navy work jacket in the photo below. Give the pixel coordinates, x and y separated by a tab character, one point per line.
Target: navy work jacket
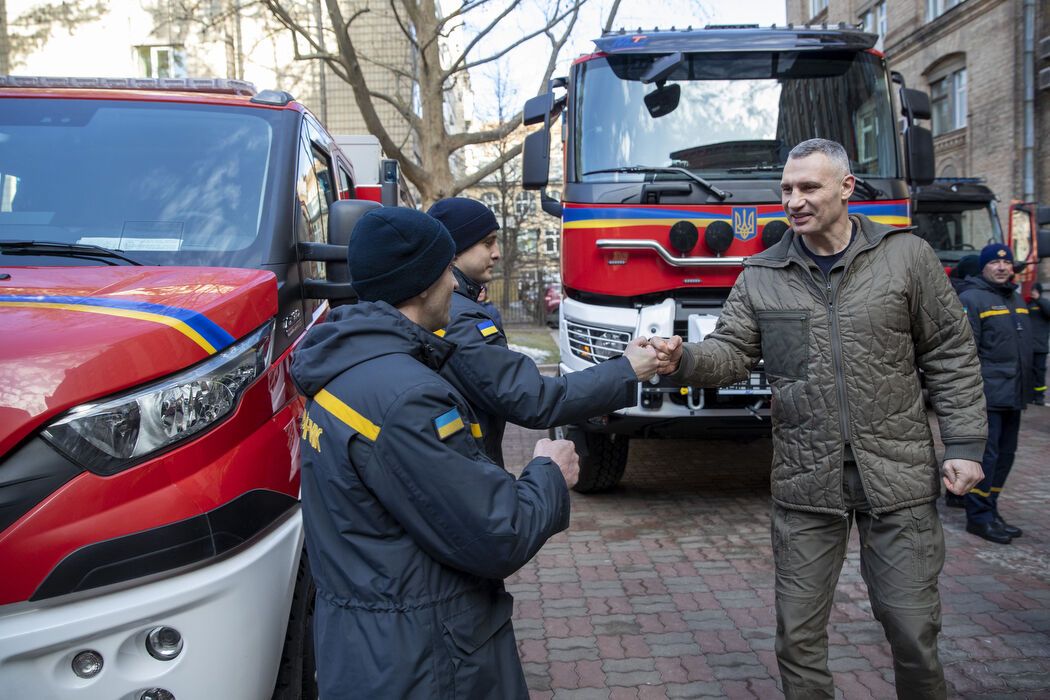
410	527
503	385
1003	334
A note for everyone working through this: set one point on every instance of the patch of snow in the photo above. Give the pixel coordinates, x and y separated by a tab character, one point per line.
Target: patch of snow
538	356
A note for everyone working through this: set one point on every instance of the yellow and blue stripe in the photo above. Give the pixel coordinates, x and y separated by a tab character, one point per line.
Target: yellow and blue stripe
487	328
192	324
448	424
578	217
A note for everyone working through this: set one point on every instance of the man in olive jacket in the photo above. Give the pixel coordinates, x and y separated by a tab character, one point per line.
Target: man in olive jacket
845	312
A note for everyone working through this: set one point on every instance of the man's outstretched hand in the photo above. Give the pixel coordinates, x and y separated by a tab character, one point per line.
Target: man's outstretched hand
668	352
961	475
642	357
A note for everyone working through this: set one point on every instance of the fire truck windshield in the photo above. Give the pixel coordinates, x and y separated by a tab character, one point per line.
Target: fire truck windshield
956	230
164	182
737	115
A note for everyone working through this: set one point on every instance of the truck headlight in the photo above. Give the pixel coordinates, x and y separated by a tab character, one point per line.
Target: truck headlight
112	435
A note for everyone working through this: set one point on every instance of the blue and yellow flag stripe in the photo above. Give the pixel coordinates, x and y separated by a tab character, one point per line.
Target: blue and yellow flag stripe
193	324
487	328
344	413
893	213
448	424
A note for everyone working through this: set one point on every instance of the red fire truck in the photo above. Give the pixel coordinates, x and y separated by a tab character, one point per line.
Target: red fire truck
163	246
674	143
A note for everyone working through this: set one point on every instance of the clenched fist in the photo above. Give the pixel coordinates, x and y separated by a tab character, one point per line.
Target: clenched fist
562	453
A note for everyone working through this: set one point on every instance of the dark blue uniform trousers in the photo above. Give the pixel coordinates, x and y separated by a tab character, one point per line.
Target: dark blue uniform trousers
981	502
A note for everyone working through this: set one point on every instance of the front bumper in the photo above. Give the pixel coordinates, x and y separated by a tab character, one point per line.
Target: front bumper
232	615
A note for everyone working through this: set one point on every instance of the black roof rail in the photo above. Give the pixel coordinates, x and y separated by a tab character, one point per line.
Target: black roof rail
221	86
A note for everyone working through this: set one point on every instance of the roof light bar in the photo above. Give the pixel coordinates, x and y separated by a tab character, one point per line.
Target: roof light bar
224	86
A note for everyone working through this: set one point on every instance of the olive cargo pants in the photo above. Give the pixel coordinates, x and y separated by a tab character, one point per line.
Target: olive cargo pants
901	556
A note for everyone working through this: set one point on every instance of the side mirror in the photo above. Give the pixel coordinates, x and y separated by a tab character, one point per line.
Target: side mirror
915	104
535	159
918	155
538	109
663	100
390	174
1043	243
343	215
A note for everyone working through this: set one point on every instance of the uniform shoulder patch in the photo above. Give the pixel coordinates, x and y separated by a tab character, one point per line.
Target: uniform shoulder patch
448	424
487	328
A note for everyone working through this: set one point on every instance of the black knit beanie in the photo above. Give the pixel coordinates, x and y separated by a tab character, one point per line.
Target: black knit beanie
395	253
466	219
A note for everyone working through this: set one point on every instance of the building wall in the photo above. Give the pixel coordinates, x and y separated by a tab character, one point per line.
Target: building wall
987	37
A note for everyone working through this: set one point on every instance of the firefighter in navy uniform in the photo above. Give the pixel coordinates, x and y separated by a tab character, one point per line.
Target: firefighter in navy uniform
503	385
410	526
1003	334
1039	313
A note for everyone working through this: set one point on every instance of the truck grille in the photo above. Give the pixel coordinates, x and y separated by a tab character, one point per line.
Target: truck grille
596	344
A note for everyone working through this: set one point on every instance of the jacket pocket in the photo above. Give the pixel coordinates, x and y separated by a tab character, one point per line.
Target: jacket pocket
481	647
927	543
785	343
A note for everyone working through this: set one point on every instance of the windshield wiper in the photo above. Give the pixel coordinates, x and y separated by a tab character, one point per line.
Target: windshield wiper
766	168
71	250
710	187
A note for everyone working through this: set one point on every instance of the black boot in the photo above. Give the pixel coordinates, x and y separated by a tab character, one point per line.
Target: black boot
988	531
1007	527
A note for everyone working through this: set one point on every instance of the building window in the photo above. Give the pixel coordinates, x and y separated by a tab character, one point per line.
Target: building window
874	20
491	200
162	61
936	8
550	242
524	204
948	95
817	6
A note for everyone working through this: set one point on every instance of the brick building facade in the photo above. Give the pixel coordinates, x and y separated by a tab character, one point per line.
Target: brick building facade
970	56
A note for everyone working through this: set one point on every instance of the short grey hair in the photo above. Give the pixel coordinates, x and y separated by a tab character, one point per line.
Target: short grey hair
832	150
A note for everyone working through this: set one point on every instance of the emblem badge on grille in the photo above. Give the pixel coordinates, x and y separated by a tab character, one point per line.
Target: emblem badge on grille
745	222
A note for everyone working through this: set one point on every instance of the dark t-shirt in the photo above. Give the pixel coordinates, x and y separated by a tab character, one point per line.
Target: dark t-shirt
826	262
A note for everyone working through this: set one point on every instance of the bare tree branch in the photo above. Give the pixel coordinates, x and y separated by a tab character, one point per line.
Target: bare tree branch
612	16
469	138
482	33
487	169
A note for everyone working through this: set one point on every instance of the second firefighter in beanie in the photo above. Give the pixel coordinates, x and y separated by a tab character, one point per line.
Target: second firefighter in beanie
1003	334
503	385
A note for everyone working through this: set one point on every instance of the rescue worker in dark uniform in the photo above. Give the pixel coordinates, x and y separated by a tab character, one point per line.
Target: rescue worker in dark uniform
1039	313
503	385
410	527
1003	333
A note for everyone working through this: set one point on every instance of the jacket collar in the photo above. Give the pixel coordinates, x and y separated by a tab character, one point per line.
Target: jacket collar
1004	290
788	250
466	286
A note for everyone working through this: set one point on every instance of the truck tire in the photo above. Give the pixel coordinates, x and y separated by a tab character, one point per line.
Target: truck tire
603	459
296	677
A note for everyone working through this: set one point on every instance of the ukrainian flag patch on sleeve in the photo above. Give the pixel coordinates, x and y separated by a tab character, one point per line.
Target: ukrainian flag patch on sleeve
487	328
448	424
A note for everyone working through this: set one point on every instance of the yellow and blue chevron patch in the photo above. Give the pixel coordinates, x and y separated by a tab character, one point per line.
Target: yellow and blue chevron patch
487	328
448	424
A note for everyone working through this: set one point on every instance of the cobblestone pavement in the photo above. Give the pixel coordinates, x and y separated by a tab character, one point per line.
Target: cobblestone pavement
664	588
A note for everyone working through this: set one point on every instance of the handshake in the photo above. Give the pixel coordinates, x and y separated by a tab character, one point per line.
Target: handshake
656	355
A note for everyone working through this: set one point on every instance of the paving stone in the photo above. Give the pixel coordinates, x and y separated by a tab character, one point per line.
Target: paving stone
671	576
